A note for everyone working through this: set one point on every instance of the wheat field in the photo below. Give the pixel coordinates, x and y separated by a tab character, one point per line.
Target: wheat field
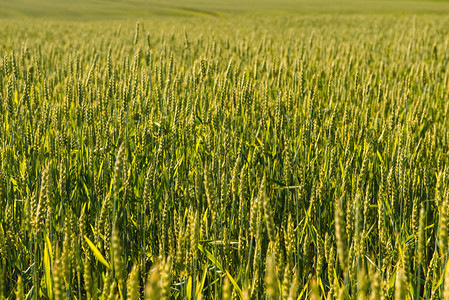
226	156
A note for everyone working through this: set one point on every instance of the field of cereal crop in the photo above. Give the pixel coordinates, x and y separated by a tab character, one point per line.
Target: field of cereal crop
224	149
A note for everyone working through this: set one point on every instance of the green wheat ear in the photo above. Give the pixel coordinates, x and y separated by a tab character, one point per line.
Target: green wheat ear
117	255
88	279
165	281
133	289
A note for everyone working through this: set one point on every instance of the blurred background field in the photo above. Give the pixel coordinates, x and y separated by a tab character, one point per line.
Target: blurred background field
119	9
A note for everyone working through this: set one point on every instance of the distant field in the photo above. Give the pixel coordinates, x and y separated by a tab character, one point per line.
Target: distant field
120	9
